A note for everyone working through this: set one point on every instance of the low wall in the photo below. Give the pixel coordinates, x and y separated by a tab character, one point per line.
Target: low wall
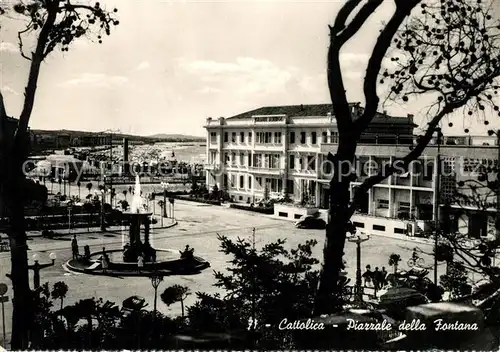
291	212
374	225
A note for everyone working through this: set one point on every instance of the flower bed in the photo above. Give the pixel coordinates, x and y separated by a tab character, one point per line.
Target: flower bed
261	210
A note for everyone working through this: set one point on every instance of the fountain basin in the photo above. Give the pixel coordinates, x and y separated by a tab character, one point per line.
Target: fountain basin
168	263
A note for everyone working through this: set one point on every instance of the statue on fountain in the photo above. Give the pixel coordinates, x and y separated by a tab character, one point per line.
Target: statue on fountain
138	216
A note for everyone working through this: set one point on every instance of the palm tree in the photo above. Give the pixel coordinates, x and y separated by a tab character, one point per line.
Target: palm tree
175	293
89	186
78	184
60	183
59	291
125	193
394	260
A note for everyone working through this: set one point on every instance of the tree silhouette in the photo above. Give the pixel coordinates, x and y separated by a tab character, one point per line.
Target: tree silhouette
59	291
125	193
175	293
47	25
447	52
394	260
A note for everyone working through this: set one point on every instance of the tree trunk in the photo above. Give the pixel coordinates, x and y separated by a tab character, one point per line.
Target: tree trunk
328	293
22	302
182	307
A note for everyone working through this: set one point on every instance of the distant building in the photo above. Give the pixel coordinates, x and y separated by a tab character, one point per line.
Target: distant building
285	148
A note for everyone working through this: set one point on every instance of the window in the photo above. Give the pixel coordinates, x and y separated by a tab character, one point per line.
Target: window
275	161
311	163
292	137
213	137
249	182
233	158
233	181
289	187
213	157
400	231
233	137
378	228
313	138
291	165
297	216
225	137
242	137
359	224
249	137
383	204
226	158
429	172
242	182
249	159
334	137
404	207
242	159
258	180
324	138
302	138
277	137
282	214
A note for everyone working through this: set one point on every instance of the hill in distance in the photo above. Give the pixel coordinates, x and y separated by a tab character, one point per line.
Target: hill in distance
175	136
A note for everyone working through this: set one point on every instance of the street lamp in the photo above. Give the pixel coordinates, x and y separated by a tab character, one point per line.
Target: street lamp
497	222
438	201
358	240
103	225
156	278
36	267
165	190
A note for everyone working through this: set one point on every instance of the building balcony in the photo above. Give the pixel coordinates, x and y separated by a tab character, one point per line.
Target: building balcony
236	167
213	167
304	172
266	171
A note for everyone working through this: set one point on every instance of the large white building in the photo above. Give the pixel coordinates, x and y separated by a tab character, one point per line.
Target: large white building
284	148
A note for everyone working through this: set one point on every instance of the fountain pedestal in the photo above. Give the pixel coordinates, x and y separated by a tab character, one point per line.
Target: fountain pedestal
135	247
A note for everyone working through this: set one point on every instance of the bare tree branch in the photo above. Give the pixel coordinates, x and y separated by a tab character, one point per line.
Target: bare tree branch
358	21
384	40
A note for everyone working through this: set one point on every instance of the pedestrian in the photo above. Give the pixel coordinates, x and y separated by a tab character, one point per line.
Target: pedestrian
376	279
384	274
74	247
368	276
104	263
140	262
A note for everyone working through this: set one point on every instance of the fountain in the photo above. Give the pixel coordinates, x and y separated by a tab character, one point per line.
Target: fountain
137	215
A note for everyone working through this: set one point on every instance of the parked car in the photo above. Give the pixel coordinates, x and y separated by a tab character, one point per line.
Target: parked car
311	222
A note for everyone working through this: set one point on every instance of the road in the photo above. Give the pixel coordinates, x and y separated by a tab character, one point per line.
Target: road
198	226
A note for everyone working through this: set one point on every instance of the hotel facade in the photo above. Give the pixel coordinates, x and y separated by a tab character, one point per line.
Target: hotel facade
283	150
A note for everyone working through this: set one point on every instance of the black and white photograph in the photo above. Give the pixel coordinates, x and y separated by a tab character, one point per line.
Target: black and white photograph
249	175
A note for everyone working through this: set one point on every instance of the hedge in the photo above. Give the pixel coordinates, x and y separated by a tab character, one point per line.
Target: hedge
199	200
261	210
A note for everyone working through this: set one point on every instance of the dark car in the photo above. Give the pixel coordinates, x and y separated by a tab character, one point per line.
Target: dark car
311	222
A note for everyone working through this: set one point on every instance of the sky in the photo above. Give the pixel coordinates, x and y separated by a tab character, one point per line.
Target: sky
169	65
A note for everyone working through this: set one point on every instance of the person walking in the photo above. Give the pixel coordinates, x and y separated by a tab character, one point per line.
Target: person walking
376	279
74	247
367	276
384	274
140	262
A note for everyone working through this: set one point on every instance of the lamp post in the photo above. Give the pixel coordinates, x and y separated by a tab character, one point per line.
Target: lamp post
358	240
103	225
497	220
165	190
438	202
156	278
36	267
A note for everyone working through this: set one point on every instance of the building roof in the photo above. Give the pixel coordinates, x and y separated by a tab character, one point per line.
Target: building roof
316	110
